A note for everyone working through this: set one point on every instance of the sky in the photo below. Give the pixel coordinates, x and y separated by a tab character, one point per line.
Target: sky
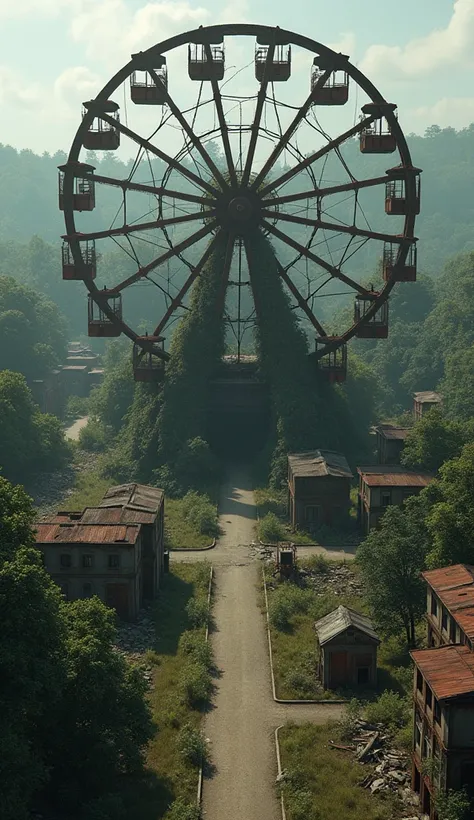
56	53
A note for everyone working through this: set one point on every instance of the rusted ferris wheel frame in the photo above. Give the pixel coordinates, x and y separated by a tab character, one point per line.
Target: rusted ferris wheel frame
254	195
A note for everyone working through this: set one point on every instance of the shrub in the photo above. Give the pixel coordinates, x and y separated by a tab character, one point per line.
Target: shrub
106	807
194	644
301	678
180	810
195	684
93	436
270	529
318	563
301	804
352	713
191	745
288	600
389	709
197	610
201	513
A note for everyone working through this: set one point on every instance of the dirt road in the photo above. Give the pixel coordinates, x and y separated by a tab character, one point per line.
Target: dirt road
73	431
242	723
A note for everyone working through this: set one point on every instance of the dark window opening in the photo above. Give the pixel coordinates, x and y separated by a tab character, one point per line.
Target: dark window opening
444	619
434	605
65	560
437	711
87	590
114	561
419	680
87	561
363	675
386	499
428	697
452	630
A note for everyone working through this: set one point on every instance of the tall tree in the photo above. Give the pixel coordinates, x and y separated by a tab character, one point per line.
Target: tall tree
433	440
451	519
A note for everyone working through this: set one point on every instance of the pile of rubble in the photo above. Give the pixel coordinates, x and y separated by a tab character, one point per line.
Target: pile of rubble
264	553
337	578
371	745
134	639
51	490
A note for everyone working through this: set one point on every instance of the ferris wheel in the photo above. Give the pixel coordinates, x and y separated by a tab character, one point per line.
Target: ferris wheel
236	129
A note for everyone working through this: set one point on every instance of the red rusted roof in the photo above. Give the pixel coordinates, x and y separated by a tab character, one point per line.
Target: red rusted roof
449	670
71	533
393	475
454	586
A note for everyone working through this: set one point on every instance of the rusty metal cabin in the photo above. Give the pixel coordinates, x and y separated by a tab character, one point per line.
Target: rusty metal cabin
450	605
443	739
424	401
382	486
319	485
390	443
347	646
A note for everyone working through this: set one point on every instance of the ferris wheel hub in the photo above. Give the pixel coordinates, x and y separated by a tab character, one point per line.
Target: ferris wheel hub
239	211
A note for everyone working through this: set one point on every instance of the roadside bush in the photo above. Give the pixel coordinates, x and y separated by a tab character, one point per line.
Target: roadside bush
301	805
197	610
194	644
348	723
76	406
285	602
196	684
180	810
318	563
93	436
389	709
201	513
270	529
191	745
301	678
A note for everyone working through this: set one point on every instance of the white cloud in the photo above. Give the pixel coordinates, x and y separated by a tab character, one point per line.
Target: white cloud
457	112
346	44
76	84
453	45
15	92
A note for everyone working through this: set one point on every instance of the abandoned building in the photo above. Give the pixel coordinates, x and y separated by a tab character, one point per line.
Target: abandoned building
443	743
390	443
319	485
114	550
424	401
450	605
382	486
347	647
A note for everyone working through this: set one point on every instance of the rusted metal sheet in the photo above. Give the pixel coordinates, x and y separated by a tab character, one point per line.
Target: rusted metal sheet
389	476
391	432
116	515
449	670
133	495
454	586
78	533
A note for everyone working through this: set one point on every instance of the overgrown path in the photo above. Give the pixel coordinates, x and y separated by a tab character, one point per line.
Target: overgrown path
244	716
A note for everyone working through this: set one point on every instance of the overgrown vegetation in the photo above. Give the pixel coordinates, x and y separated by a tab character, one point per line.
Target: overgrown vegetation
321	783
190	522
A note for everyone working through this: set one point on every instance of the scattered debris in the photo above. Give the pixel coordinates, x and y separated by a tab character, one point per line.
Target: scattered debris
340	579
134	640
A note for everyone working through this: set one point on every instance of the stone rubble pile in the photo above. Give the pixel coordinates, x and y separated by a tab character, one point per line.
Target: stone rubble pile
337	578
264	553
50	491
134	639
370	745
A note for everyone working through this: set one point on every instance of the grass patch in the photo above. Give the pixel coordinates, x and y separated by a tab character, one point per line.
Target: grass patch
182	688
185	530
89	490
322	783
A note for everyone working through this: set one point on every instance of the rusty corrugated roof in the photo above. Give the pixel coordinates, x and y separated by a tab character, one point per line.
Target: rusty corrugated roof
393	475
78	533
454	586
392	432
117	515
449	670
315	463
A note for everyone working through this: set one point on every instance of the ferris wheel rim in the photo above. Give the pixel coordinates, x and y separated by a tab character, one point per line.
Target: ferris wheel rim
275	35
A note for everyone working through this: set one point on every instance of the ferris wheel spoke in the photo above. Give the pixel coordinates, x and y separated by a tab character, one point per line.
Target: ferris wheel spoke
143	226
174	251
285	138
261	97
148	146
178	299
193	138
345	187
305	163
306	252
128	185
331	226
222	121
229	253
302	303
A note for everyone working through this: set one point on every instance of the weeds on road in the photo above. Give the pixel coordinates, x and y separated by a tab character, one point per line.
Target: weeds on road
188	523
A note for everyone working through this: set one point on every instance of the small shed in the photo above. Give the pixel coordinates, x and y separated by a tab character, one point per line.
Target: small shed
390	443
424	401
347	643
319	486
